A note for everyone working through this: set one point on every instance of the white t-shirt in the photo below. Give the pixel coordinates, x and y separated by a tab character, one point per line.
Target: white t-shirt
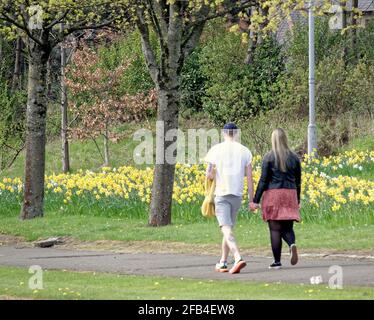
231	159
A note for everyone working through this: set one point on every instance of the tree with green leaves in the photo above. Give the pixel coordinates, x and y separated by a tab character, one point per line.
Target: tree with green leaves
38	23
178	26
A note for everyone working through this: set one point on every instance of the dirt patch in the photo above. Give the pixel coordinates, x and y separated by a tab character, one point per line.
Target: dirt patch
8	240
140	246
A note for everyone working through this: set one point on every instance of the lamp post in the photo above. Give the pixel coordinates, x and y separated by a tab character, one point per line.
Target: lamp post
312	128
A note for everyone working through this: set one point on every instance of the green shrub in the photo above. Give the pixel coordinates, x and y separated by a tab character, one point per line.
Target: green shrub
326	42
358	88
136	78
236	91
12	123
365	42
192	83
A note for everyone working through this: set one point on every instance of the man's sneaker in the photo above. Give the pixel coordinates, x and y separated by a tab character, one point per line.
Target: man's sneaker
238	265
221	267
275	265
293	252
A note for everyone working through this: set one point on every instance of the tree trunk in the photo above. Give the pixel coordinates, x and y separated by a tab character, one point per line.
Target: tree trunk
64	115
177	41
1	48
344	25
17	65
49	77
251	48
354	30
106	145
35	130
163	181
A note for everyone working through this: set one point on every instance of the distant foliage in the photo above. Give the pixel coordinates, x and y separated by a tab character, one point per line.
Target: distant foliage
193	83
12	123
343	84
127	48
97	99
236	91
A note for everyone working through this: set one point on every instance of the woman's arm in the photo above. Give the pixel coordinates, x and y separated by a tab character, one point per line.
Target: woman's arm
298	179
264	180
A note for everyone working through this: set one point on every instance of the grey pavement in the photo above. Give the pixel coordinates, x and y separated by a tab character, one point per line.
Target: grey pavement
355	272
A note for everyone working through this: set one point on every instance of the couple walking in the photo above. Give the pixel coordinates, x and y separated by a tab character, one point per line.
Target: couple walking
228	163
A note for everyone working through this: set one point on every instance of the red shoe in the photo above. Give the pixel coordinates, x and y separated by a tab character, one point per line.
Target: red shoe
238	266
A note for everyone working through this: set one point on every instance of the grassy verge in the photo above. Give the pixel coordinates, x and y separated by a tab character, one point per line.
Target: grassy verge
251	234
89	285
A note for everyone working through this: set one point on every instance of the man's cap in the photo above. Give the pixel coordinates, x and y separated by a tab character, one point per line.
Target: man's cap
230	126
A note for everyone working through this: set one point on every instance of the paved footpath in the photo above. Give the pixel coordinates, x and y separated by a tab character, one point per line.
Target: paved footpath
355	272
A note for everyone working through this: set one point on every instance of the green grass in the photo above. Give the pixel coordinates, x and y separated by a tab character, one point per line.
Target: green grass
89	285
84	155
250	234
363	143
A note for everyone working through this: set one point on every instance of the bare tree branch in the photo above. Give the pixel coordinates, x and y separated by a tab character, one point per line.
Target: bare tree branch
11	20
58	20
146	45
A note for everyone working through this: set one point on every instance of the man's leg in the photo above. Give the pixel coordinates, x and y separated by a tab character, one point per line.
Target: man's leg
222	207
229	238
225	250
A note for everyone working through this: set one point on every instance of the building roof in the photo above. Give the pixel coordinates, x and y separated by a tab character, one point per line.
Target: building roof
363	5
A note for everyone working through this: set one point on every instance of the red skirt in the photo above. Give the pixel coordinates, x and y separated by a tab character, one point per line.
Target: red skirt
280	204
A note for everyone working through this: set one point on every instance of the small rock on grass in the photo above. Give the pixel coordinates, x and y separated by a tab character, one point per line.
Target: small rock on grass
50	242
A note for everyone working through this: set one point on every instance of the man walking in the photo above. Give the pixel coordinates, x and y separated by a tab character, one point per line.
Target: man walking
232	161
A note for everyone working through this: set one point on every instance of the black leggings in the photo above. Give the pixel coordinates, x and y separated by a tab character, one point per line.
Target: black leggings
280	229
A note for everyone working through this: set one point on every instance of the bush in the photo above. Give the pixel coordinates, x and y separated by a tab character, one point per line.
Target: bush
340	88
365	42
327	42
358	88
136	79
12	123
342	84
192	83
236	91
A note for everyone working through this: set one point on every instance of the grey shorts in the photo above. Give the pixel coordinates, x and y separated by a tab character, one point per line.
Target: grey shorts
226	208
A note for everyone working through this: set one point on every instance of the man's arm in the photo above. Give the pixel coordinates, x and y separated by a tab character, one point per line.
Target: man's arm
210	171
250	183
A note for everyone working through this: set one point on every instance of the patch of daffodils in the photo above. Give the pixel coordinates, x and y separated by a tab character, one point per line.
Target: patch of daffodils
321	183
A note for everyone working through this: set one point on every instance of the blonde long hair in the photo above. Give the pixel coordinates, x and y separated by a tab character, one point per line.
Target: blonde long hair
280	148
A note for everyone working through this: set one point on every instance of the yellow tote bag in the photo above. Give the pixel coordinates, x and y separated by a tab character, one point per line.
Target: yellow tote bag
208	208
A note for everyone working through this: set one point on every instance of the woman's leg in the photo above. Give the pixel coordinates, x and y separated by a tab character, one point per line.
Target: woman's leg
287	232
289	236
276	239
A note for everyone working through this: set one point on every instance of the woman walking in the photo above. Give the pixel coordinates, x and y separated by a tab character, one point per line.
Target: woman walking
280	185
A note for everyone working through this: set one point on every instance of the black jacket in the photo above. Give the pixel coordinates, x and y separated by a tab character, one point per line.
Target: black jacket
274	178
